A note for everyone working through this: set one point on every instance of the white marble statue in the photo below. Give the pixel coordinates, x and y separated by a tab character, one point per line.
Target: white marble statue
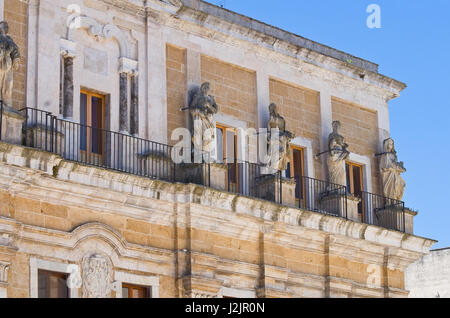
337	155
9	61
391	170
202	108
279	146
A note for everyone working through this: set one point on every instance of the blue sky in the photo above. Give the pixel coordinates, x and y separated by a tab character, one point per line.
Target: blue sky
412	46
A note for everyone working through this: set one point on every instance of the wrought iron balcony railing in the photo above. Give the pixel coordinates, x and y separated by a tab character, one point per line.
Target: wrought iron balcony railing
129	154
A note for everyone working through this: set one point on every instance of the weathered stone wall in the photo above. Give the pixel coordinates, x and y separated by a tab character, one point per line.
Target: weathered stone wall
429	277
301	109
195	240
15	13
360	129
233	87
176	88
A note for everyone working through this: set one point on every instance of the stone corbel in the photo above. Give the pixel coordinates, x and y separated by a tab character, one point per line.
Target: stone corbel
68	48
128	66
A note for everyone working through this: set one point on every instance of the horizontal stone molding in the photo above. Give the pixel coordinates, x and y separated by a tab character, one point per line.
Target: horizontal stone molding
207	198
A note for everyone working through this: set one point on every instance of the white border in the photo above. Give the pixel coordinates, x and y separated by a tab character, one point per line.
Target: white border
37	264
147	281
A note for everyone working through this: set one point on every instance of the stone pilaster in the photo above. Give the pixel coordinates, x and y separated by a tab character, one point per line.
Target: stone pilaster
326	114
68	53
134	108
128	69
123	104
68	87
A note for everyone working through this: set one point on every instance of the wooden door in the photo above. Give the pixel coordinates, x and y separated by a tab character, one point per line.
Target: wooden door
92	134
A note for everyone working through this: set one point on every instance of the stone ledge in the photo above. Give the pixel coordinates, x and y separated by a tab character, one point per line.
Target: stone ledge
222	201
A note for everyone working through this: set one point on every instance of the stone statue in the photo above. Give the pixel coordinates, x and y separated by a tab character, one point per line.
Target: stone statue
97	277
9	61
203	107
391	170
278	160
338	153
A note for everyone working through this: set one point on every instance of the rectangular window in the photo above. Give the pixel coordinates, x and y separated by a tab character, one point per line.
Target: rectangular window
227	152
296	170
52	285
355	183
134	291
92	120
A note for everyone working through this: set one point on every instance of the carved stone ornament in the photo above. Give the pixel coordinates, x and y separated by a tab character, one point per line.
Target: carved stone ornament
337	155
279	140
4	267
97	276
391	170
9	62
202	108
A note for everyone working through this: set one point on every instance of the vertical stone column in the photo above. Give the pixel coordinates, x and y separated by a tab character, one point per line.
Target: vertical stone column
32	54
383	126
263	102
128	69
134	108
123	103
193	77
263	97
326	114
68	87
157	83
68	53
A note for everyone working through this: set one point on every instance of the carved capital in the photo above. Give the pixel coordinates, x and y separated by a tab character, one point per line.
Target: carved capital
68	48
128	66
4	267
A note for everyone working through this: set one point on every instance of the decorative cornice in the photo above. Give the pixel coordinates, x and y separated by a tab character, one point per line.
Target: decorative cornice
240	27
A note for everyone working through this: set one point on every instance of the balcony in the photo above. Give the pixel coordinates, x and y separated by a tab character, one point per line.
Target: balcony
121	152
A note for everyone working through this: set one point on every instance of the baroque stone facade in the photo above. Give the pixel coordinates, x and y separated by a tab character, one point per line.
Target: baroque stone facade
105	229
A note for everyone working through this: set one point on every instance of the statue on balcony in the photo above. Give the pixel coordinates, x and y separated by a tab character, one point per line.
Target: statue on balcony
391	170
203	107
9	62
278	160
338	153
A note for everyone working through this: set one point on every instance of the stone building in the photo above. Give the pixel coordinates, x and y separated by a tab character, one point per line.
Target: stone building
91	204
429	277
